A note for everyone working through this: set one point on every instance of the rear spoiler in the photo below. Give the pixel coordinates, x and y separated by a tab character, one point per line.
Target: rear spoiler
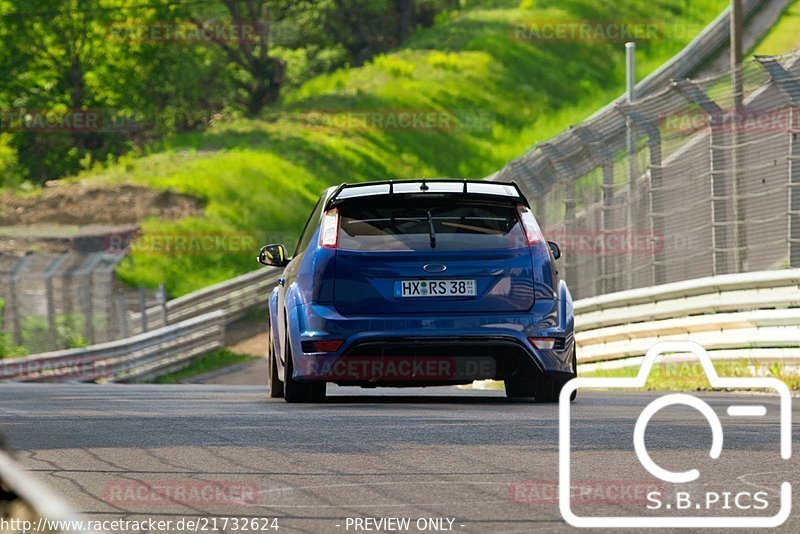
473	188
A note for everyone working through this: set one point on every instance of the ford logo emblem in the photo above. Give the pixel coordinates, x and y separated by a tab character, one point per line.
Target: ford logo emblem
435	268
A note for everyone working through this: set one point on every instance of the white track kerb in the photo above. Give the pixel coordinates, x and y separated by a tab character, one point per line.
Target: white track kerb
682	347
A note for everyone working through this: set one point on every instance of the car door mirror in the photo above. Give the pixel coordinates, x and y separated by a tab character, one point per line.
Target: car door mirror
555	249
273	255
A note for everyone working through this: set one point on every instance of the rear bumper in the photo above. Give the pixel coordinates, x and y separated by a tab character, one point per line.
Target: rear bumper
430	350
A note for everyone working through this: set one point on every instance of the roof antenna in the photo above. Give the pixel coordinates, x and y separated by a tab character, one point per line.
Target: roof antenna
424	186
391	187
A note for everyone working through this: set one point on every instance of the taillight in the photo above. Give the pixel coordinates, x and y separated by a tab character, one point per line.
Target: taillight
532	231
329	236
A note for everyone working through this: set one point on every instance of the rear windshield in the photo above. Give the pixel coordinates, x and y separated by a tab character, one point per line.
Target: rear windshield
458	226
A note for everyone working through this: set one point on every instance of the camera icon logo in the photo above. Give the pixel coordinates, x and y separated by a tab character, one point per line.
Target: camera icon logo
676	477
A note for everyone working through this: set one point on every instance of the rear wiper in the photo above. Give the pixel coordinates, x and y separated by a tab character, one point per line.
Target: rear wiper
433	232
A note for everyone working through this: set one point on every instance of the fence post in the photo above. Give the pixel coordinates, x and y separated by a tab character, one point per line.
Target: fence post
630	136
51	311
720	199
13	298
527	174
789	85
564	171
107	284
89	306
606	282
650	128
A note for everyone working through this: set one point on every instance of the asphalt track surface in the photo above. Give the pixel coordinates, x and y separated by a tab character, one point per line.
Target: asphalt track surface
473	457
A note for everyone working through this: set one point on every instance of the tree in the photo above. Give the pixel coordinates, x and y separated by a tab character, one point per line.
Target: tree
404	10
49	50
64	58
262	75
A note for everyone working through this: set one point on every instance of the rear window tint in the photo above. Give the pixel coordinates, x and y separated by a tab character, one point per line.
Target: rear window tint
459	226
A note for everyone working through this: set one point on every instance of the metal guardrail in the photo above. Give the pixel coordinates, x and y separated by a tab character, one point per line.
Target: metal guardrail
135	358
235	297
195	325
751	315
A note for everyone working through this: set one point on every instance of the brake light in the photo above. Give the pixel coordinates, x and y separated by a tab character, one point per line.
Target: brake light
325	345
331	345
532	231
329	236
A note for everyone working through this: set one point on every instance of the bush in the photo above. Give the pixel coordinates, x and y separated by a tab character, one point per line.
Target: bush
7	347
69	333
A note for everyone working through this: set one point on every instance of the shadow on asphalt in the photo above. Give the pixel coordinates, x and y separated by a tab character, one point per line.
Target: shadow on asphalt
421	399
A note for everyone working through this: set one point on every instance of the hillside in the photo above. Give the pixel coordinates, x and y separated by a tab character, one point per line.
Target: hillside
496	91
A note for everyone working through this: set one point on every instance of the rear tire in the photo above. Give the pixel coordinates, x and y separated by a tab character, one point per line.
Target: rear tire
296	391
542	388
575	367
548	389
273	379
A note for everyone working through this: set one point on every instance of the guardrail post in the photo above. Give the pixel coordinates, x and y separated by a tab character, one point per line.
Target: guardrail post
650	128
162	299
789	85
720	197
143	309
122	313
606	282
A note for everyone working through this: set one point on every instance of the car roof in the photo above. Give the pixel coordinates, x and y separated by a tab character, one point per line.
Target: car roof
438	186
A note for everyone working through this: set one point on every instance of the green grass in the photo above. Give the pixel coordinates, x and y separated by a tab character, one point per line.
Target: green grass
212	361
262	176
690	376
784	36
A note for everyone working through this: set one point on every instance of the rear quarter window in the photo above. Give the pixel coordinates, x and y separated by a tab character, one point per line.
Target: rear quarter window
458	226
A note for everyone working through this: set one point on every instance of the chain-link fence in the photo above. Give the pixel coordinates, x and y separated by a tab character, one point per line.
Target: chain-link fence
699	179
57	301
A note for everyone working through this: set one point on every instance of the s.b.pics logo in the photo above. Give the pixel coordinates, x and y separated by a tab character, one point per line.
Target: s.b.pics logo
718	459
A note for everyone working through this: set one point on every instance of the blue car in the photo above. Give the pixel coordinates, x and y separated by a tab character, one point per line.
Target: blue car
420	283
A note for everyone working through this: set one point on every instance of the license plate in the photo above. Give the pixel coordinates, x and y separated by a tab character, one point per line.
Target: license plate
434	288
